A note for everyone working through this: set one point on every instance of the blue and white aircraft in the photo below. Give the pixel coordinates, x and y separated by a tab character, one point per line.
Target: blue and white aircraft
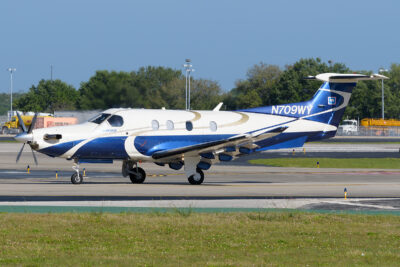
195	139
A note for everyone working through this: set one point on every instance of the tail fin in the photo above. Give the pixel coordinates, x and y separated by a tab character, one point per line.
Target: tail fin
329	102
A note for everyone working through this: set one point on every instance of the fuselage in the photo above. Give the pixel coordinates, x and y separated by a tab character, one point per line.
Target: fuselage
138	133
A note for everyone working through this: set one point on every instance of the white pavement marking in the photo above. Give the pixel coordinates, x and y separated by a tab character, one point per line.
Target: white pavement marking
351	203
218	203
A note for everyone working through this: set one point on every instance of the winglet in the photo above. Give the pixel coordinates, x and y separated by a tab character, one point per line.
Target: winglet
218	107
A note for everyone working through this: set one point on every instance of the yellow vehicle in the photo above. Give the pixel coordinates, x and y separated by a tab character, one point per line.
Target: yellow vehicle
380	122
12	126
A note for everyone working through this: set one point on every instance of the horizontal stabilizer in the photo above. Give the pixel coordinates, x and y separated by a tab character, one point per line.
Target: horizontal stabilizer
345	78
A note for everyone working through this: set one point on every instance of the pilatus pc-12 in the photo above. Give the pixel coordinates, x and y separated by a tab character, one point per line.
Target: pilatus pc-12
195	139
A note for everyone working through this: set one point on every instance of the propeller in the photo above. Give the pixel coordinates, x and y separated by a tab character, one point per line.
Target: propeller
26	136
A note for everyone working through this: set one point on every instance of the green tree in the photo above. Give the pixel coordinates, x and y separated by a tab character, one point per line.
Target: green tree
5	102
293	87
151	81
122	89
392	92
106	90
48	96
205	94
149	87
258	89
268	84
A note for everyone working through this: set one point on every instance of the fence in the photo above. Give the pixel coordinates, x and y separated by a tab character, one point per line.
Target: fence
3	119
372	131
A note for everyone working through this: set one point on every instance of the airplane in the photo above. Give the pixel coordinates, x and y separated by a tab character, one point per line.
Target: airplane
194	139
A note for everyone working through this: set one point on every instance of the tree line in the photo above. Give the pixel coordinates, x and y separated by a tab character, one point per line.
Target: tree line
156	87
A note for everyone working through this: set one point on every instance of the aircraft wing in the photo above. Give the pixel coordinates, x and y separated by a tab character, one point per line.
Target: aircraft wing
245	139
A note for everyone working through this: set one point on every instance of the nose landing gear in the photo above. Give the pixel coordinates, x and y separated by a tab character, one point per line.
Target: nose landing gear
77	177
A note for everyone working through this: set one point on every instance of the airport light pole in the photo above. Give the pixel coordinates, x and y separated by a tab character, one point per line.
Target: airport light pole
11	70
188	67
383	94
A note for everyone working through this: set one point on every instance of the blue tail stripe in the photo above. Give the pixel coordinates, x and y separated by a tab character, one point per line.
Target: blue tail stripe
323	100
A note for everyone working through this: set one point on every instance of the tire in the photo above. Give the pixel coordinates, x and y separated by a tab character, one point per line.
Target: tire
137	177
4	130
75	179
196	180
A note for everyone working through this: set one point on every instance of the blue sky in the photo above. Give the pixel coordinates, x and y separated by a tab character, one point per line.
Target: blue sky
223	38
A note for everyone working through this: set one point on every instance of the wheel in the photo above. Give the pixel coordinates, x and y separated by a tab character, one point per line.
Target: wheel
5	130
75	179
196	178
137	177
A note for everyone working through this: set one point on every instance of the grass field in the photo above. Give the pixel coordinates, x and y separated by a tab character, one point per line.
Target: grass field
184	238
374	163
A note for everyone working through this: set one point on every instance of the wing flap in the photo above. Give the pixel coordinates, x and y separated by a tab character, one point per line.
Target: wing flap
218	144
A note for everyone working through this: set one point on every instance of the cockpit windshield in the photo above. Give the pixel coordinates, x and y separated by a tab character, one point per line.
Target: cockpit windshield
99	118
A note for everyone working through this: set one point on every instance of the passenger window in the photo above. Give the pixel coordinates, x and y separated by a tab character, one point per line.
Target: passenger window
189	125
170	125
155	125
116	121
213	126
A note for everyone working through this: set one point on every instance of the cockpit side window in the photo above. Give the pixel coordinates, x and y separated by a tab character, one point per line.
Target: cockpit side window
100	118
116	121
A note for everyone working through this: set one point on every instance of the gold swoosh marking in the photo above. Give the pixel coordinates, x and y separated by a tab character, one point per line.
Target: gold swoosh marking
243	120
197	116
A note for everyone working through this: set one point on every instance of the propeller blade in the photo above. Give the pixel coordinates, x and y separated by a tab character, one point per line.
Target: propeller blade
32	124
34	157
21	122
20	152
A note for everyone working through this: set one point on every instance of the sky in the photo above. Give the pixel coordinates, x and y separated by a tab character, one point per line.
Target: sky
222	38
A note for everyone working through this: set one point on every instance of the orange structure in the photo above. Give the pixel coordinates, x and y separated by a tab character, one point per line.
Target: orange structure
45	122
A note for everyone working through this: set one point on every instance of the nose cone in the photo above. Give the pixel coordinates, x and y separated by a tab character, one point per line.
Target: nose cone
24	137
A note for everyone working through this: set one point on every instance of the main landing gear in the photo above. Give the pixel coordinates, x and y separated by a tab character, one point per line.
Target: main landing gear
194	174
196	178
136	174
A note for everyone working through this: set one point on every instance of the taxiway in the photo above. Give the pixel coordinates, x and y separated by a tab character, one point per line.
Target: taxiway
238	185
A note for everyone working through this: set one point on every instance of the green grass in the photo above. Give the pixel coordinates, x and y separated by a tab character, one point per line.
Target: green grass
374	163
199	239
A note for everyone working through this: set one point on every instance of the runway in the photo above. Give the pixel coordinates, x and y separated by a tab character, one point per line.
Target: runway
236	186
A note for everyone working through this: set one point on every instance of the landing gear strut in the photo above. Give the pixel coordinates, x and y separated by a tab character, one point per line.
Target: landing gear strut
77	177
196	178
